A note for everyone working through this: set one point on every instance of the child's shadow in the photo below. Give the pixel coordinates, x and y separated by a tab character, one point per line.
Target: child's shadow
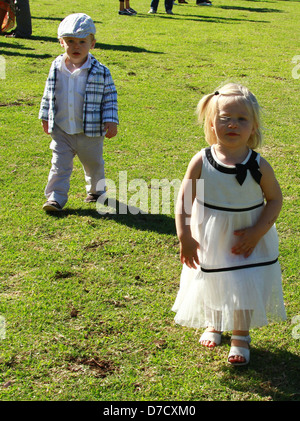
130	216
272	375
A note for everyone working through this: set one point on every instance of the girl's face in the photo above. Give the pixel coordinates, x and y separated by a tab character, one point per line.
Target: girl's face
233	124
77	49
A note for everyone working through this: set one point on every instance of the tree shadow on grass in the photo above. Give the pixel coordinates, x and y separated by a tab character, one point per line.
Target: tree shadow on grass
23	51
128	48
251	9
272	375
54	18
131	217
101	46
11	45
200	18
37	56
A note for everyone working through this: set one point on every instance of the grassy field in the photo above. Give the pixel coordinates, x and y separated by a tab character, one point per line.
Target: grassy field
86	298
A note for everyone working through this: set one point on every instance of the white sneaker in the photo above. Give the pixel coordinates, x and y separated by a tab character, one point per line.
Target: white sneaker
152	11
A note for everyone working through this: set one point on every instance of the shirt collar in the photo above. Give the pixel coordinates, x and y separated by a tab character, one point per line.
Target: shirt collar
86	65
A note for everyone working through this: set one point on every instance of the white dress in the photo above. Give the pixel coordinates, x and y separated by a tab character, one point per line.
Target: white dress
228	291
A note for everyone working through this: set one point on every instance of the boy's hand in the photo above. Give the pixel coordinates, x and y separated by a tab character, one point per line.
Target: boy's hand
45	126
111	129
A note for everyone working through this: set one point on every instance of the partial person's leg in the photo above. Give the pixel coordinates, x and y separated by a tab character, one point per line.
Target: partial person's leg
239	352
168	5
58	184
23	18
154	5
211	337
122	6
90	154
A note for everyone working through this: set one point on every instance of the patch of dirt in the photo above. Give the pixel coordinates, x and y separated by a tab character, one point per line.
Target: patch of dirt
17	103
95	245
102	368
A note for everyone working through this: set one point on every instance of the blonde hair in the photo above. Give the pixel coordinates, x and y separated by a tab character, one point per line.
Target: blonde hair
208	107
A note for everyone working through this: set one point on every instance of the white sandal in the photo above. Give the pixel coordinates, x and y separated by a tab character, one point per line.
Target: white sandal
214	337
240	351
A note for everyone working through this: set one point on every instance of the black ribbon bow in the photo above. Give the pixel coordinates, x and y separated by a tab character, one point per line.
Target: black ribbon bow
252	166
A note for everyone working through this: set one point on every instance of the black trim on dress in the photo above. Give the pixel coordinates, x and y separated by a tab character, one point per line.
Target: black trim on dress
207	205
217	166
251	265
240	169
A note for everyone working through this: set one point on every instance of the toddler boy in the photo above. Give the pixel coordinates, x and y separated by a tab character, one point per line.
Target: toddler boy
78	109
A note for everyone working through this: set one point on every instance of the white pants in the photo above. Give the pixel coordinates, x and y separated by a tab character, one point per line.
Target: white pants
64	148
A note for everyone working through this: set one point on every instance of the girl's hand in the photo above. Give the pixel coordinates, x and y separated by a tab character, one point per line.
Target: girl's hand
249	237
247	240
189	253
188	245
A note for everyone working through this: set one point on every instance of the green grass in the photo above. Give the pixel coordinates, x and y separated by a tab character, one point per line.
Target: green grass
87	298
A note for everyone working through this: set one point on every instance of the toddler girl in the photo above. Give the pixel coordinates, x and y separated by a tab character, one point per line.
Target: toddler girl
231	277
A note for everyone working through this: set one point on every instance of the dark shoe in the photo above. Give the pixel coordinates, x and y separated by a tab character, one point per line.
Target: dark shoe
132	11
125	12
92	197
52	206
14	34
11	34
204	3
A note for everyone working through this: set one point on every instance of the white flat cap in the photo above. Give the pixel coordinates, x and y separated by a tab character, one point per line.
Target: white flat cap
77	25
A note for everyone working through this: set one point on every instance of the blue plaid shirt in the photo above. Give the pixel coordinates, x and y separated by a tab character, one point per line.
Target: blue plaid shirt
100	101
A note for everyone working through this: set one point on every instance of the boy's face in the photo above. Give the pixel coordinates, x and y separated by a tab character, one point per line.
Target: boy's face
77	49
